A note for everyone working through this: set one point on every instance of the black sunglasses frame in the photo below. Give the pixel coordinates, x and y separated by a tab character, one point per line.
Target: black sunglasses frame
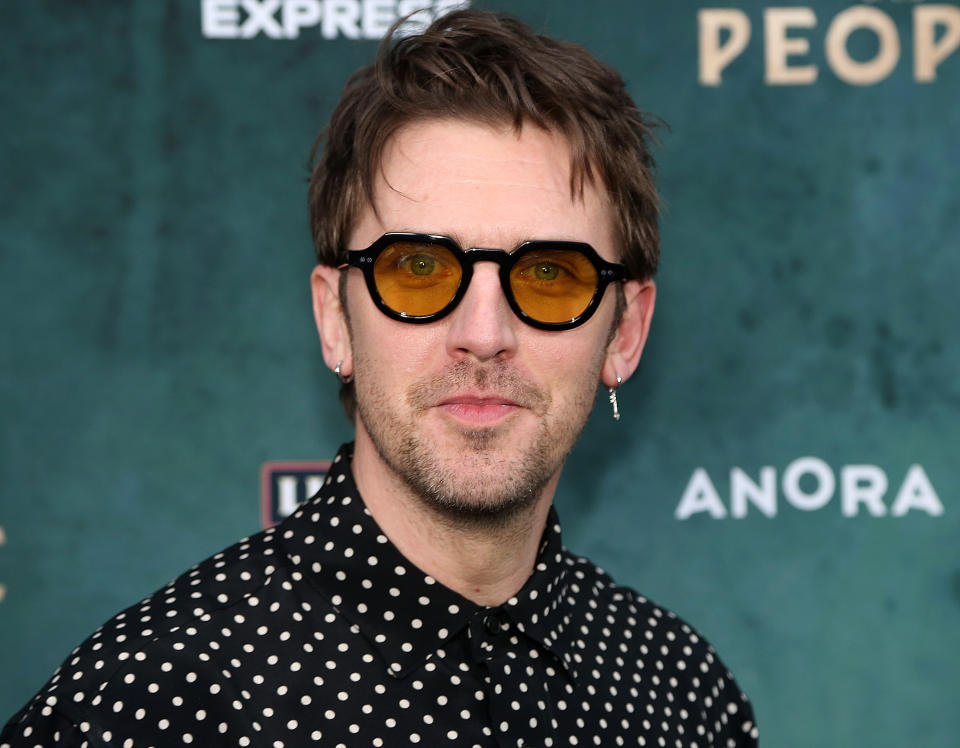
607	272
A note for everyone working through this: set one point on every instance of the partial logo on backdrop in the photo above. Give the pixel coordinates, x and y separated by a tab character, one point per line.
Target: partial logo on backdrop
809	484
788	36
328	19
3	541
286	485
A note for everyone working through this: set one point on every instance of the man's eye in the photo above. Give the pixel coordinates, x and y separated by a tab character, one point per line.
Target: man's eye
546	271
421	264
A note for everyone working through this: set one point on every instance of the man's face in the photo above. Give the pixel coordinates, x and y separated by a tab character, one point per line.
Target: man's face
476	412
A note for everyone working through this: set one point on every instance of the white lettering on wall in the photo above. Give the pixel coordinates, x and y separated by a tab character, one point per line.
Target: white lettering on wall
300	14
809	484
313	484
863	484
916	493
286	495
823	476
700	496
220	19
744	491
286	19
285	491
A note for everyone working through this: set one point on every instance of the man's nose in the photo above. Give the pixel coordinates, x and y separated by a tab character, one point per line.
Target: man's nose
483	325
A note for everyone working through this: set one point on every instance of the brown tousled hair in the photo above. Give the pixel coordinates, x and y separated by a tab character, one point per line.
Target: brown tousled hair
490	68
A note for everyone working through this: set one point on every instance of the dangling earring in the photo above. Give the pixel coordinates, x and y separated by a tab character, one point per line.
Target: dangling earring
347	379
613	399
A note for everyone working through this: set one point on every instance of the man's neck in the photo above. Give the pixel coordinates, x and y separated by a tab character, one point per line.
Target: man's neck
485	562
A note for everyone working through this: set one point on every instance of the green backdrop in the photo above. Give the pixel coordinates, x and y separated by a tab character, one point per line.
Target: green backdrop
158	345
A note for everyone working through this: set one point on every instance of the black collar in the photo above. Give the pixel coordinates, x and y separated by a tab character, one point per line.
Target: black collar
405	614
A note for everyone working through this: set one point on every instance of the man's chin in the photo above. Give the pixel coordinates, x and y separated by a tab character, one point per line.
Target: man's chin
484	442
472	507
481	481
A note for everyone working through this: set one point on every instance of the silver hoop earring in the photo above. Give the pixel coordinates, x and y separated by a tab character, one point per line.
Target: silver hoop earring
613	399
343	379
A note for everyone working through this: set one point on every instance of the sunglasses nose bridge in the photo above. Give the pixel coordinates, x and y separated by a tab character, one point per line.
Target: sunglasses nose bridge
499	257
479	254
482	321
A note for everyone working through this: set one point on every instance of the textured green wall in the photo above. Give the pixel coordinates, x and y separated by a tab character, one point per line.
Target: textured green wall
158	344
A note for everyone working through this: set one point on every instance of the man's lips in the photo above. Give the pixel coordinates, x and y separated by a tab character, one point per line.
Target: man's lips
479	409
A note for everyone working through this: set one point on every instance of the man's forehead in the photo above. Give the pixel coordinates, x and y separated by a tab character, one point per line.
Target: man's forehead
448	176
462	151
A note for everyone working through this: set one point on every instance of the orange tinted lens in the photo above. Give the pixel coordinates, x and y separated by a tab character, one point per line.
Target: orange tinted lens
553	285
417	279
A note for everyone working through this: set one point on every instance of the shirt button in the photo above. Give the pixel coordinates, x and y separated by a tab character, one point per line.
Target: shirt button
493	624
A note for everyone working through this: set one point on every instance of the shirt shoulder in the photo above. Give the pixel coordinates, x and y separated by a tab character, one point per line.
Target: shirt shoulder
143	642
668	658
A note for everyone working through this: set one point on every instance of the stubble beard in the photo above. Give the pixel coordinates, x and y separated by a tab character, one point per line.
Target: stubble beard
480	477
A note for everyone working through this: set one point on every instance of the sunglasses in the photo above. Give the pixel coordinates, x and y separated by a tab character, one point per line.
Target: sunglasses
550	285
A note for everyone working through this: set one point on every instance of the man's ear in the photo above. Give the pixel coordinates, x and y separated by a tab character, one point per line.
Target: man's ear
623	352
331	319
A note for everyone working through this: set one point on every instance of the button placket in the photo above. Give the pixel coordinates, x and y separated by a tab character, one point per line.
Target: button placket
494	623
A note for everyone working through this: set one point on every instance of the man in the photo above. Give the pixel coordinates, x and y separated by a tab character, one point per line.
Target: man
424	596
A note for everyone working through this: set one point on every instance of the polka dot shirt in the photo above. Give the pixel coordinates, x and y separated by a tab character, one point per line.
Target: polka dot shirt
319	632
